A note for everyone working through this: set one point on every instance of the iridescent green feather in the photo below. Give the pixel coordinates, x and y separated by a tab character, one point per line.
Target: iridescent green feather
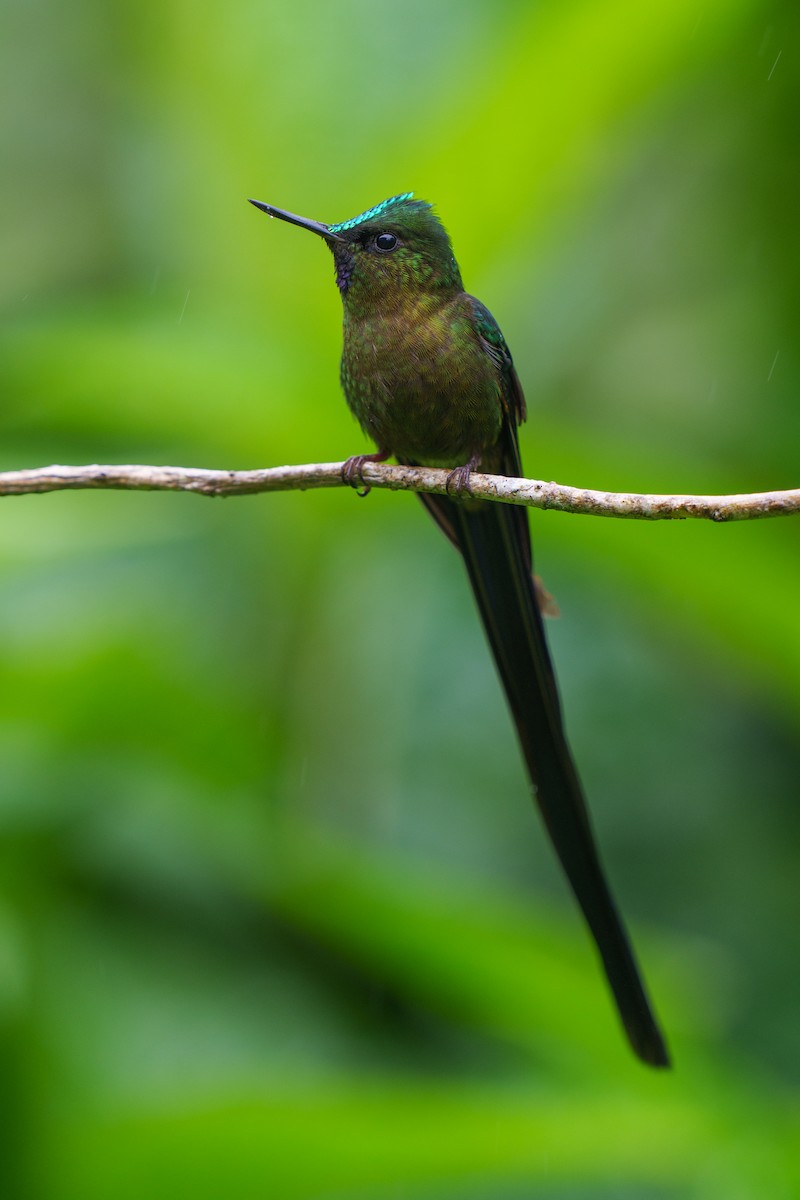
376	211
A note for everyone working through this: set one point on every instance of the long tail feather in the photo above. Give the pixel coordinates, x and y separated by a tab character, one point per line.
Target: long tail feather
494	542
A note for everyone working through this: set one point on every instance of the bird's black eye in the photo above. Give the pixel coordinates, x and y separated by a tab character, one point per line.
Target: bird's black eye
385	242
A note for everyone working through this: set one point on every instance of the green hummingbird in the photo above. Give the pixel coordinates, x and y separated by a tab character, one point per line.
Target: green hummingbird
429	377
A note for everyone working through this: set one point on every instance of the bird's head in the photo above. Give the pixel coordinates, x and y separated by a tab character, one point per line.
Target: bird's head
396	247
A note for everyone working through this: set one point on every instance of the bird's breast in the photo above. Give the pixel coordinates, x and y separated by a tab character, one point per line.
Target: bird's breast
420	384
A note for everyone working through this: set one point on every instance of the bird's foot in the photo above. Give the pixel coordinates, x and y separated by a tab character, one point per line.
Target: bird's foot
457	482
353	470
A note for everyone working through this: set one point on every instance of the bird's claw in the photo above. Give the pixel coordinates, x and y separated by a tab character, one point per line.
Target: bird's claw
457	482
353	470
353	476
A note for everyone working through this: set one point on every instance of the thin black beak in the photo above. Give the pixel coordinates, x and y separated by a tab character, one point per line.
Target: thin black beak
303	222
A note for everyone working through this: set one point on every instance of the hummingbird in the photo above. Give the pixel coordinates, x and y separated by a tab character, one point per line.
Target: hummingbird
428	376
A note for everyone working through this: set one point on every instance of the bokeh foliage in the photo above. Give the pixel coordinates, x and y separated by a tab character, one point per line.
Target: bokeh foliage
276	916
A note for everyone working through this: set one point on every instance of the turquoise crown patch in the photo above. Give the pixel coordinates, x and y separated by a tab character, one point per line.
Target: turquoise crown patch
371	212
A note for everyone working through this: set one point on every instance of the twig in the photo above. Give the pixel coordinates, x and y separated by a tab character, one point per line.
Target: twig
531	492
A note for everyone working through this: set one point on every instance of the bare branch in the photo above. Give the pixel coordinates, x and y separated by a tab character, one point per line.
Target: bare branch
531	492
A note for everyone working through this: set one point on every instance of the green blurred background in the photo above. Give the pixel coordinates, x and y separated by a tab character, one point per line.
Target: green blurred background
276	914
